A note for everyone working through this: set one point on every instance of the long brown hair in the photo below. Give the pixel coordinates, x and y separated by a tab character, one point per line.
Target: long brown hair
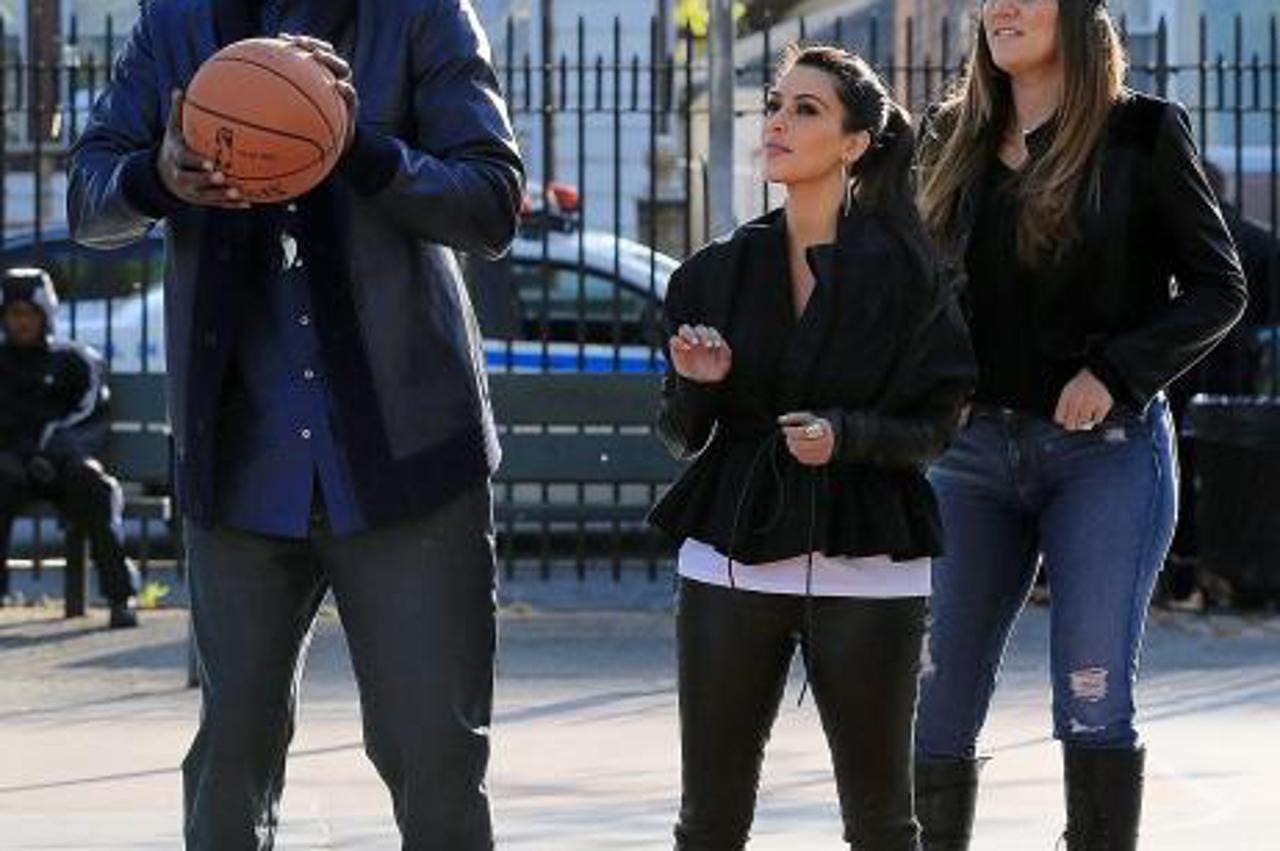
969	124
882	177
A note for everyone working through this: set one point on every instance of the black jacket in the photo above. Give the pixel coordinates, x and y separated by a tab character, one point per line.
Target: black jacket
52	401
880	351
1153	282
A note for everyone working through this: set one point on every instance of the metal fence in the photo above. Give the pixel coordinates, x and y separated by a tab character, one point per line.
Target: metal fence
615	126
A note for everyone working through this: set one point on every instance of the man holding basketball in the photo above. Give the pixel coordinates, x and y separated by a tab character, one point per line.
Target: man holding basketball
331	420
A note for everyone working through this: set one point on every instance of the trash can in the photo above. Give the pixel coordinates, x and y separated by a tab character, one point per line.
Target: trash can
1238	491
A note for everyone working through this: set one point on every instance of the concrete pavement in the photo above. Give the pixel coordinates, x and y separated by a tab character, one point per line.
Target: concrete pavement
93	725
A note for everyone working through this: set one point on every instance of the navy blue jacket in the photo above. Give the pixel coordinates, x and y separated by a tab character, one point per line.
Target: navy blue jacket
434	168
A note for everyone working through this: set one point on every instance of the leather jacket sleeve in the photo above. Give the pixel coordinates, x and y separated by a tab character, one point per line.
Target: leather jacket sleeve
1212	292
688	410
930	389
458	181
114	194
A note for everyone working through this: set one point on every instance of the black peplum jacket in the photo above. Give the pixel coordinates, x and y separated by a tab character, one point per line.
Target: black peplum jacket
880	350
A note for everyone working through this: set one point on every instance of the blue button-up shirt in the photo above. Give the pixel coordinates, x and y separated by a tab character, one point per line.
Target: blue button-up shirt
279	458
278	453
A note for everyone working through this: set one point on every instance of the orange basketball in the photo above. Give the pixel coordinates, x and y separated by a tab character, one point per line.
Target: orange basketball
268	115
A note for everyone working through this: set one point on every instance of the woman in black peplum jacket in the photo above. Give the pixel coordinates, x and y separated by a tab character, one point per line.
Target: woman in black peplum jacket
815	367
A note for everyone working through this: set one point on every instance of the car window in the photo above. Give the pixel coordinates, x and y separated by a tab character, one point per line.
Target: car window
569	295
83	273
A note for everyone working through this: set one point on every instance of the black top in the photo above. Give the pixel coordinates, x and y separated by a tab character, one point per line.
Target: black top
1148	288
49	396
1014	371
880	351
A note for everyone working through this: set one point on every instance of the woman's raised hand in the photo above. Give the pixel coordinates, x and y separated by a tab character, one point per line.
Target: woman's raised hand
700	354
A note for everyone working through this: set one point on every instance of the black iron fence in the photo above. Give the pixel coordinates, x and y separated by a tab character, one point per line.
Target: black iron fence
614	126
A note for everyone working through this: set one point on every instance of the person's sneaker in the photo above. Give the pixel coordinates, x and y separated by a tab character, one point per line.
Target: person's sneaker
123	615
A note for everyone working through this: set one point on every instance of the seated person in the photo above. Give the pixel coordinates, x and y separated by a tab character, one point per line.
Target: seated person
52	400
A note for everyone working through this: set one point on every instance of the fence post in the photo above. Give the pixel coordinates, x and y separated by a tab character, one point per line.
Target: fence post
1162	58
546	58
722	117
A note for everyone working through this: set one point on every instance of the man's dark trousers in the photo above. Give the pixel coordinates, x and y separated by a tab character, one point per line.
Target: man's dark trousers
90	500
417	603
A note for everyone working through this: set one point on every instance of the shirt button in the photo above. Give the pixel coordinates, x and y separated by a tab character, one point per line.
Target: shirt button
305	434
309	374
304	319
292	208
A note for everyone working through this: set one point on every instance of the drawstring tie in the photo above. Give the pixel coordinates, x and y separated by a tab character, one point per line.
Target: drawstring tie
768	447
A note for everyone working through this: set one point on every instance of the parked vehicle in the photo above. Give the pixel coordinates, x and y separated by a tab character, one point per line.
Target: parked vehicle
563	300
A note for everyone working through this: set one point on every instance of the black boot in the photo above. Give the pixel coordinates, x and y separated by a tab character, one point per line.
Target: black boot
1104	798
946	796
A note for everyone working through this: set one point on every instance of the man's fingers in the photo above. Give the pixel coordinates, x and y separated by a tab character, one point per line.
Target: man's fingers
323	52
307	42
202	189
175	113
196	181
337	66
185	159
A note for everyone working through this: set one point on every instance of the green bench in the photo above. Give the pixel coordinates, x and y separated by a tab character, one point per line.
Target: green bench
138	454
584	430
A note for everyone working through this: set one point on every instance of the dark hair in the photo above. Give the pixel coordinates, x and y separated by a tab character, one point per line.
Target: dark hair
882	176
969	123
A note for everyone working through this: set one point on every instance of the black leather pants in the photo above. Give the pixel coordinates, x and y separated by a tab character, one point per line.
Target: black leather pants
863	659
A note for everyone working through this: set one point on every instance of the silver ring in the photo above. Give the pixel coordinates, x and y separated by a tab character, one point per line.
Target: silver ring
813	431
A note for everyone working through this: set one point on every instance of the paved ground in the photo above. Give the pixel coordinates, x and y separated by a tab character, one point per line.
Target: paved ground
93	725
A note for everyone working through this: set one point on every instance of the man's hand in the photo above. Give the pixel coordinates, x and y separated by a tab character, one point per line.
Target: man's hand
700	354
1084	403
323	52
189	176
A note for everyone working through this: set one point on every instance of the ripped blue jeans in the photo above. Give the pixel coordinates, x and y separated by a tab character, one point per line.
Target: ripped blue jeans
1099	508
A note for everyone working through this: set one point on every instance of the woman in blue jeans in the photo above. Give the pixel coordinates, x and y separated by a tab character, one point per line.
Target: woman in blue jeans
1094	268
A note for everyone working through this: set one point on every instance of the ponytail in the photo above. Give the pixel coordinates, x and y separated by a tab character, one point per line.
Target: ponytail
882	178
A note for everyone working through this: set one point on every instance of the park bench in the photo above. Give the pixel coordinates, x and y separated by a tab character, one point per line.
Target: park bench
587	433
138	454
578	431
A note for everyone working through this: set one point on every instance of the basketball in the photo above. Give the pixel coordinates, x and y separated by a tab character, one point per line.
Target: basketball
268	116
